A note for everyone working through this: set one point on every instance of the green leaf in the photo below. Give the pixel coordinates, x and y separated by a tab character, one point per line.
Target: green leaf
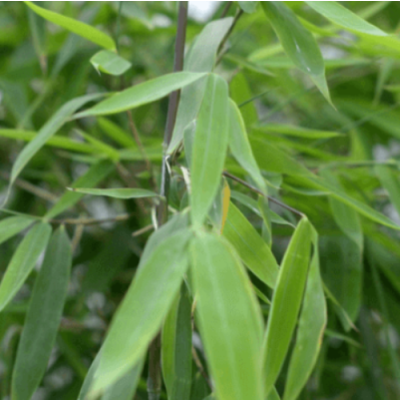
310	331
298	42
390	181
110	63
220	281
240	146
56	141
118	193
206	44
177	348
296	131
115	132
23	261
46	132
78	27
143	309
143	93
10	226
251	248
209	149
101	147
43	317
248	6
345	18
286	302
96	173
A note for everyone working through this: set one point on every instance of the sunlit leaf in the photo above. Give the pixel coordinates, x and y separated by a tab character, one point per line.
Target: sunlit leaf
118	193
251	248
110	63
143	93
11	226
209	148
286	302
143	309
75	26
220	281
43	317
23	261
248	6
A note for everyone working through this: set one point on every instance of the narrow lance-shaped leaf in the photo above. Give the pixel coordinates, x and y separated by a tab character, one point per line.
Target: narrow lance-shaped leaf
240	146
251	248
296	131
209	149
248	6
91	177
142	311
310	330
11	226
389	178
43	317
345	18
110	63
143	93
46	132
78	27
117	193
298	43
23	261
220	281
206	44
286	302
177	348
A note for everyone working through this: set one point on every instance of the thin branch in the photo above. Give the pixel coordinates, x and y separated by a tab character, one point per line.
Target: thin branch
143	230
252	188
226	9
91	221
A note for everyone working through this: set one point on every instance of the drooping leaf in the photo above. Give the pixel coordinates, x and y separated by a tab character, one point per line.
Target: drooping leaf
110	63
206	44
248	6
240	146
177	348
298	42
220	280
143	93
23	261
91	177
345	18
209	149
117	193
47	131
286	302
142	311
13	225
310	330
252	249
43	317
75	26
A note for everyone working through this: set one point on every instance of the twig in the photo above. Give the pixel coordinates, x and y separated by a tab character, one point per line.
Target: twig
226	9
37	191
272	199
154	380
91	221
143	230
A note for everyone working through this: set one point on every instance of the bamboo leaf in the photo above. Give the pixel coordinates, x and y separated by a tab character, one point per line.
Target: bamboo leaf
311	327
118	193
296	131
46	132
220	281
23	261
209	150
251	248
286	302
240	146
43	317
142	311
101	147
143	93
110	63
78	27
177	348
390	181
248	6
206	44
11	226
345	18
298	42
115	132
92	177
